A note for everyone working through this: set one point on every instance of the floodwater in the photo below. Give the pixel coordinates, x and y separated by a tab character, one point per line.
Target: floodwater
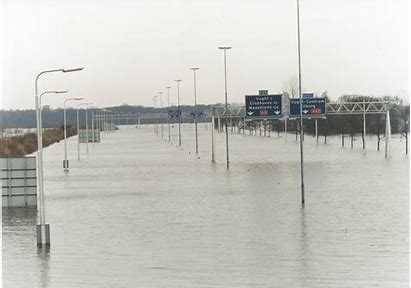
138	211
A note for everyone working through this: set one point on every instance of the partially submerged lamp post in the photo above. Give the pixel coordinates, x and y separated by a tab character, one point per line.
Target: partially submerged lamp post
179	111
226	105
195	106
87	138
301	106
66	162
168	105
78	129
161	113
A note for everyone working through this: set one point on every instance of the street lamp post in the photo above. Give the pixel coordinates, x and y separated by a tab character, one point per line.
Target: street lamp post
41	108
105	119
87	136
78	128
155	124
226	106
161	113
92	127
195	106
168	119
66	162
43	229
78	133
179	111
301	106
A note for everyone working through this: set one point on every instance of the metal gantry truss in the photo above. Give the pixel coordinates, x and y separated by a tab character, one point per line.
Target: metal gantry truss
347	108
332	108
357	108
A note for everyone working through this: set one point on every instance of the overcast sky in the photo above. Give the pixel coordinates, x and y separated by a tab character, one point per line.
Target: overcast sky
133	49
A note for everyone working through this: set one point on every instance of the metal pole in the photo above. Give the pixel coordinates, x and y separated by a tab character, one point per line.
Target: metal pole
387	131
285	128
168	107
161	114
92	126
195	108
65	164
226	105
179	116
301	106
41	237
212	134
316	130
78	134
87	129
364	126
226	109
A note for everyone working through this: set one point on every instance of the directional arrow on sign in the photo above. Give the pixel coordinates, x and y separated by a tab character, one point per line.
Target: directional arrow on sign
250	113
277	112
305	111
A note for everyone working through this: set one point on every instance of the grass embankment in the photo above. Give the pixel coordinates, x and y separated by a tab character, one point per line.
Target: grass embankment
21	145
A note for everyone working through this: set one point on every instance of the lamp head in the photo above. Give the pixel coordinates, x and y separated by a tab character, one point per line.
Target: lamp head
72	69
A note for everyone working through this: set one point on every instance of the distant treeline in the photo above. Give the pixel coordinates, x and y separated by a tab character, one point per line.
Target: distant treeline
53	118
17	146
334	124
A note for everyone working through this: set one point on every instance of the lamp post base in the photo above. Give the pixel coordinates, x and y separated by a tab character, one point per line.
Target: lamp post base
43	230
66	165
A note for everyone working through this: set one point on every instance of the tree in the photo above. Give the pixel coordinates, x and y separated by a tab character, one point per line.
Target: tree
291	87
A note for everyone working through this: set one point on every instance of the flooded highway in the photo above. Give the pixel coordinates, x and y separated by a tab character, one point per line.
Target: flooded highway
138	211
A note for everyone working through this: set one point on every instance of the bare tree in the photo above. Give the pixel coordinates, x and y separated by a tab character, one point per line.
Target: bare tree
291	87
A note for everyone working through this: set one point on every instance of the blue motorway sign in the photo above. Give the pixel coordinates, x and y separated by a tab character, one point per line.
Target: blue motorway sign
312	107
174	113
263	106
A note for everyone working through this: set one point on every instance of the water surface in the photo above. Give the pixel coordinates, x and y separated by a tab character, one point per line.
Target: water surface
138	211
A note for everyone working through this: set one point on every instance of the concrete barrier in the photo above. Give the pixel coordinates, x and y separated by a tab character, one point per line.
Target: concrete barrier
18	181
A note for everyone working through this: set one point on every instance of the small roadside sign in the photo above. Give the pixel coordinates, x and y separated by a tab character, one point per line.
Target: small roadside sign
308	95
174	113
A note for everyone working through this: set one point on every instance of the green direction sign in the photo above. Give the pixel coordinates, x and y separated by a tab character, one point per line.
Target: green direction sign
262	92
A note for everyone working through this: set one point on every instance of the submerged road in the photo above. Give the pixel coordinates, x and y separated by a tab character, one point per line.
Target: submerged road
140	212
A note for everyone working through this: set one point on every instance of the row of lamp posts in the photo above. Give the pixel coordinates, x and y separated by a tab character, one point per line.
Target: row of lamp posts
43	230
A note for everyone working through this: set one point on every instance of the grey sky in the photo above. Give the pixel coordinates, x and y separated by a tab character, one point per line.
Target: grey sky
131	50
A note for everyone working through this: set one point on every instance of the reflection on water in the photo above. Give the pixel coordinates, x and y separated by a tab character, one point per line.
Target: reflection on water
139	212
43	257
